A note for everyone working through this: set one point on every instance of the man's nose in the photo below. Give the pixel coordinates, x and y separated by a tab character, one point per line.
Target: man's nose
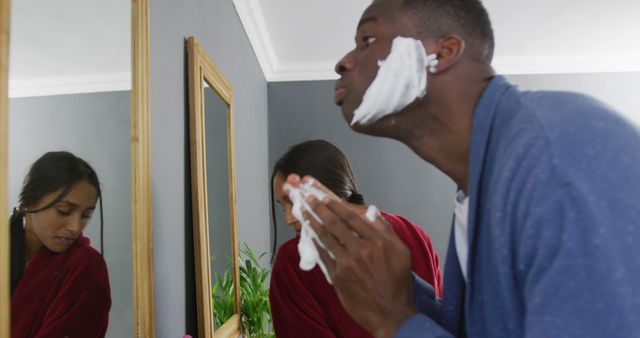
345	64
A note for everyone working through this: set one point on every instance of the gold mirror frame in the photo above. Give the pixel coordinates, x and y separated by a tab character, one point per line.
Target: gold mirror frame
5	9
142	264
201	71
141	226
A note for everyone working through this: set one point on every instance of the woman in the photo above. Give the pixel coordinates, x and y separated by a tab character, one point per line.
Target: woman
303	303
59	284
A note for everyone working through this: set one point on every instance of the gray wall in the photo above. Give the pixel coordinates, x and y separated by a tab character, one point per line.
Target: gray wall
96	128
217	27
388	173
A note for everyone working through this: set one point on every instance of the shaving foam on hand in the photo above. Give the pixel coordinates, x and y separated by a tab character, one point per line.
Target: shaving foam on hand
309	255
401	79
372	213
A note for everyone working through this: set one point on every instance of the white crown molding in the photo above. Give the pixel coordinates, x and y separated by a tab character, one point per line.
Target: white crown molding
254	25
511	65
70	84
304	71
567	64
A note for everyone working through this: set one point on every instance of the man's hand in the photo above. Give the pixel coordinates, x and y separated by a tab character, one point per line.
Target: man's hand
372	267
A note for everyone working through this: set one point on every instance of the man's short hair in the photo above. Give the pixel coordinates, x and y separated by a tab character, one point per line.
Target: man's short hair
468	18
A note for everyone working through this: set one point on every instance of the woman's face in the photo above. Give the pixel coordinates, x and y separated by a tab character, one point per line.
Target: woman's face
60	225
284	201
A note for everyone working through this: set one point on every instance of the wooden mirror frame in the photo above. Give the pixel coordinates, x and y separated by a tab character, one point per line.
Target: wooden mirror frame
141	236
5	322
202	70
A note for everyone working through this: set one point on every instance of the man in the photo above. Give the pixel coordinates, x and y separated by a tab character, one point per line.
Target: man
549	181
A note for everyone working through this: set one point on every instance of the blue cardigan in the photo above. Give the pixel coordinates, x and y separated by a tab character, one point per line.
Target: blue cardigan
554	224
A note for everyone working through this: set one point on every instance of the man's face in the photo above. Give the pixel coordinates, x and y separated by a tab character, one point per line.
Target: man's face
379	25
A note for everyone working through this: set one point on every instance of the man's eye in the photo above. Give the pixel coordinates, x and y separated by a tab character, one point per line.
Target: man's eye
368	40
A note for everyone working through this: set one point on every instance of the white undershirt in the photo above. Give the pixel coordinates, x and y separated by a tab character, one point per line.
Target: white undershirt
461	229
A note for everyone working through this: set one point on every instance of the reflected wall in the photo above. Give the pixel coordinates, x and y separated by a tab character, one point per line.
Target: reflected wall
96	128
219	207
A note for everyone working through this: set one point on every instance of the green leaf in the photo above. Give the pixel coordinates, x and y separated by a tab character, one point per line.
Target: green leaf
254	295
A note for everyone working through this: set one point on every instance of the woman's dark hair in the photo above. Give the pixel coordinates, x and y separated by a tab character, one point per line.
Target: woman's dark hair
323	161
53	171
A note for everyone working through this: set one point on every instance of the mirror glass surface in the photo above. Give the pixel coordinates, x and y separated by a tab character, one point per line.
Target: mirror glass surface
218	201
69	89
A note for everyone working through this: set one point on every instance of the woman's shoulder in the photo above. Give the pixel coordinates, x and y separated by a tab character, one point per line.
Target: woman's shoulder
400	222
287	263
82	248
287	274
83	257
288	253
405	228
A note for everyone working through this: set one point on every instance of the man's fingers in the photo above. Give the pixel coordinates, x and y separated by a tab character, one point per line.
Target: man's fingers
293	179
329	262
336	226
356	222
326	238
316	184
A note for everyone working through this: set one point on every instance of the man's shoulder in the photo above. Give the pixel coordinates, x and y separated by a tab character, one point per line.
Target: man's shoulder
564	125
565	111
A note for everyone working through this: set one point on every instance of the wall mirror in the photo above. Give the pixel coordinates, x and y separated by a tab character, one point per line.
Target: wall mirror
213	196
75	78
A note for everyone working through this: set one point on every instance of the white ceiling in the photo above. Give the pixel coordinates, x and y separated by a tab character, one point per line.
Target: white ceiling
69	46
302	40
84	45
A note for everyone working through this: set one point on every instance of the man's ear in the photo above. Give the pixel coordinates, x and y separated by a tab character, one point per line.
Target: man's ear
449	50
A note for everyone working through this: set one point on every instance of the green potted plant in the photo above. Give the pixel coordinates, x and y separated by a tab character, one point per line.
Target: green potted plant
254	308
222	295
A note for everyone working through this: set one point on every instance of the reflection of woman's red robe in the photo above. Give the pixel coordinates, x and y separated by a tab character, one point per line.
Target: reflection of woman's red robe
62	295
304	304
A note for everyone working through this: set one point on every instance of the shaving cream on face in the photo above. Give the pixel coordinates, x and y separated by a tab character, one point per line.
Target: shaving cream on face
309	255
401	79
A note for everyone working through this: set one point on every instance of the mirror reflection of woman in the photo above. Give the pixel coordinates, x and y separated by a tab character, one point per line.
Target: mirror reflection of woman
59	283
303	303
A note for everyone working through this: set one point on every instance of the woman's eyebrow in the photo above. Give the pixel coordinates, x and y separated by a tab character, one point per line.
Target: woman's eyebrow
68	202
75	205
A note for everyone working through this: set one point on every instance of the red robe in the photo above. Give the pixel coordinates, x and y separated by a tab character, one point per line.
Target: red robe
62	295
304	304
